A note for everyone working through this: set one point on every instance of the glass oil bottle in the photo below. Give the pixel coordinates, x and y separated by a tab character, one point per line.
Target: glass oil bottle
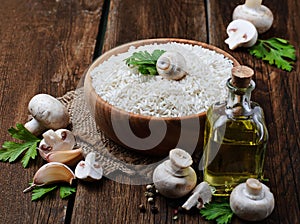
235	136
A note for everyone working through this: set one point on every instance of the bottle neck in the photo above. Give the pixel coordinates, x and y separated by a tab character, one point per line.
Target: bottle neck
238	101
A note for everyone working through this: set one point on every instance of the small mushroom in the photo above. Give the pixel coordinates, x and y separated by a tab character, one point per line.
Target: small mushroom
59	140
89	169
47	113
171	65
252	201
241	33
201	195
256	13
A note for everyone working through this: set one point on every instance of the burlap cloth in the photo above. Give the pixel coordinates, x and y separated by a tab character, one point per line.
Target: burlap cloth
114	159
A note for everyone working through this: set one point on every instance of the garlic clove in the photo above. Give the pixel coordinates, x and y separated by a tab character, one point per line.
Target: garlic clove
89	169
171	65
67	157
201	195
51	173
241	33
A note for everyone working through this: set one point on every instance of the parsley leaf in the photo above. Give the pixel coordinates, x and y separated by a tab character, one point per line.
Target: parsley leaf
66	191
219	211
12	150
276	51
144	61
40	192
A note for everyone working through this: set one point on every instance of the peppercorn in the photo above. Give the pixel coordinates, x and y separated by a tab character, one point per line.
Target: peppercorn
142	208
154	210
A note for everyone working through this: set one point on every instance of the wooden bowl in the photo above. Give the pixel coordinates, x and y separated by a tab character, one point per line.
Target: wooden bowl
146	134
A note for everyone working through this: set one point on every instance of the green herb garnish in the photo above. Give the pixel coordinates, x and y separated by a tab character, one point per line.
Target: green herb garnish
144	61
276	51
218	211
40	192
12	150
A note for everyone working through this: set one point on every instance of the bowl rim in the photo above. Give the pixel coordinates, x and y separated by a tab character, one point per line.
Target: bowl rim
123	48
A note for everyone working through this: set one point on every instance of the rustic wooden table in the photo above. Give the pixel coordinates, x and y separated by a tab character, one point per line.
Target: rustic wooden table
47	45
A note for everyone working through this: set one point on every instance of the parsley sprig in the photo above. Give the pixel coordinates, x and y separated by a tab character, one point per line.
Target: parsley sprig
144	61
13	150
276	51
219	211
40	192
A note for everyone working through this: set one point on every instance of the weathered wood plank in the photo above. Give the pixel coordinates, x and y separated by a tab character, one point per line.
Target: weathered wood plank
45	47
277	92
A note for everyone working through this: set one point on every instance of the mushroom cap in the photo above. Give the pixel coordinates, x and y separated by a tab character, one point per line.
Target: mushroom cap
49	111
171	65
252	201
261	17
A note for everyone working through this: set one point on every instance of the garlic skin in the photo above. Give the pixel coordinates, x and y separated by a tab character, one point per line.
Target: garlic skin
174	178
241	33
171	65
256	13
51	173
252	201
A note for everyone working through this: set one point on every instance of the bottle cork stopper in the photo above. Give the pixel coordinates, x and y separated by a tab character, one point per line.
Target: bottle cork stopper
241	76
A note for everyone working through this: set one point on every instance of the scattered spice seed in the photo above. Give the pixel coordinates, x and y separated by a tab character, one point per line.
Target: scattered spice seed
154	210
175	217
142	208
151	200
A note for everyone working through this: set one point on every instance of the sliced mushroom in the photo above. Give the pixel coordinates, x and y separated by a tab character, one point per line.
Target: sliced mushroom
59	140
201	195
47	113
256	13
90	169
241	33
252	201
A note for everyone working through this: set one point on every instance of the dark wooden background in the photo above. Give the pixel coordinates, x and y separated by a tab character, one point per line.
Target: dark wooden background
45	47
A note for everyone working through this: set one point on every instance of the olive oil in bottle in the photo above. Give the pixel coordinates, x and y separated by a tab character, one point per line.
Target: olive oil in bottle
235	136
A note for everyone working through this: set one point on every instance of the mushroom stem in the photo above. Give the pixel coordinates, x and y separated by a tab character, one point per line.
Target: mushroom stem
35	127
253	3
235	40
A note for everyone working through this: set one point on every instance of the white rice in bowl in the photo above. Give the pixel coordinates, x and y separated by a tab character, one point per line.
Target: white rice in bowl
126	89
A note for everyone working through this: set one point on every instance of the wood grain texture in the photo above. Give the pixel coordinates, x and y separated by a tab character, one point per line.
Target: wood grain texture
45	47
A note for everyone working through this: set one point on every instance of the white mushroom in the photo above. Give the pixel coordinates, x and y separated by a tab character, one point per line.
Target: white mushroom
256	13
171	65
175	178
59	140
201	195
47	113
252	201
241	33
89	169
